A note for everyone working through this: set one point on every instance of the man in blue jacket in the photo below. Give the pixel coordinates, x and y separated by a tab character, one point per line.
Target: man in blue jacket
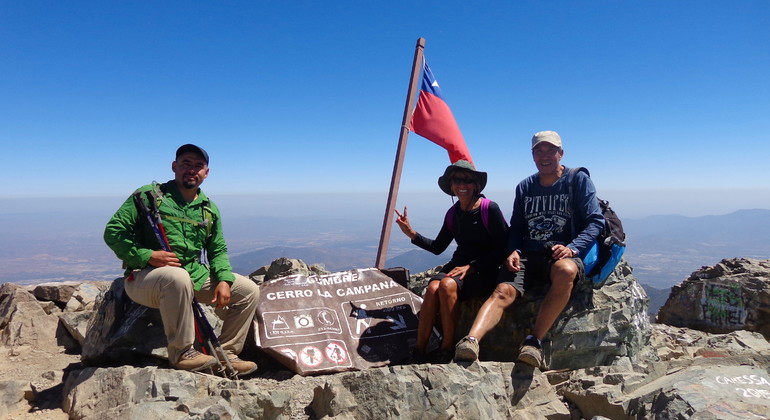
550	229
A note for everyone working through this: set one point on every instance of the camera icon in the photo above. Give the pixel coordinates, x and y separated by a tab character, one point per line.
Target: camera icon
303	321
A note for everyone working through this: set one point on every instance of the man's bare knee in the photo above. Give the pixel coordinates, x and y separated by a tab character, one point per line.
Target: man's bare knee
563	272
504	295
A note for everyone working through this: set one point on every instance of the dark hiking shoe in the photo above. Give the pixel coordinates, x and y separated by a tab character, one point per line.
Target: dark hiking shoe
194	361
416	358
441	357
531	353
467	350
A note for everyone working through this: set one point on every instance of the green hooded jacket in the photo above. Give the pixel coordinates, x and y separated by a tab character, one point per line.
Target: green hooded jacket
132	239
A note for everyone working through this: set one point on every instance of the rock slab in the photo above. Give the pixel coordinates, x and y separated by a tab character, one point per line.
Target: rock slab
729	296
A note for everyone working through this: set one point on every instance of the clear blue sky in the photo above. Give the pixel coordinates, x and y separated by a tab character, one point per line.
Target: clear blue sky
307	96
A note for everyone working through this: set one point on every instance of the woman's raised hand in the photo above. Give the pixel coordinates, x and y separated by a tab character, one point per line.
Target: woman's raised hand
403	222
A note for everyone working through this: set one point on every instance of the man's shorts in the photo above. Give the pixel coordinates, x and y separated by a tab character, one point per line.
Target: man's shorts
478	284
535	274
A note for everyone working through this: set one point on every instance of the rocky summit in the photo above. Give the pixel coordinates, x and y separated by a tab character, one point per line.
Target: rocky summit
707	357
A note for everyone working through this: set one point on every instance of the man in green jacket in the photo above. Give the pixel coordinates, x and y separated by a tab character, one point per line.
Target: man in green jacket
169	280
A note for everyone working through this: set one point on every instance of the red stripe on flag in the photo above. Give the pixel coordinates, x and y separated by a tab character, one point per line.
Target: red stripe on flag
433	120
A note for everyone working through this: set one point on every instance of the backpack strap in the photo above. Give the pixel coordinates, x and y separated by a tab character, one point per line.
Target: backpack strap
485	212
157	194
449	218
571	174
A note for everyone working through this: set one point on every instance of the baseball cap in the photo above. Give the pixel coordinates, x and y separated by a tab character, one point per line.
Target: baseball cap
185	148
551	137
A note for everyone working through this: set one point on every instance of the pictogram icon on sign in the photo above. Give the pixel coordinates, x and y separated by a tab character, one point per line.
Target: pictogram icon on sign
291	354
311	356
303	321
326	317
280	324
336	353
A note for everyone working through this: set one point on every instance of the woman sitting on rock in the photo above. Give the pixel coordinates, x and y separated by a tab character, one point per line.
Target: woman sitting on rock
478	227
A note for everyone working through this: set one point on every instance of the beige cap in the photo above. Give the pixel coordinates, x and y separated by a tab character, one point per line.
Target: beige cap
551	137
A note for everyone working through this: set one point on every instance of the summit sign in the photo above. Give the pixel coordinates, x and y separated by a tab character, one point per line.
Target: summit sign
348	320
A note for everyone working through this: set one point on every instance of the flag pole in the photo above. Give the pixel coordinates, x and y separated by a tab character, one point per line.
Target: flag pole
387	222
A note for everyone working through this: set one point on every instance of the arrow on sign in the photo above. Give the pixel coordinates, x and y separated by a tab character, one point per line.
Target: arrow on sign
399	325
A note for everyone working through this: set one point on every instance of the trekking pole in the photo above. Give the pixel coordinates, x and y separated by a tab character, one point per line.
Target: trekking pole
212	341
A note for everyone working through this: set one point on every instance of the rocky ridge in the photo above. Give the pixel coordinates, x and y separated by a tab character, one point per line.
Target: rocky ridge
643	370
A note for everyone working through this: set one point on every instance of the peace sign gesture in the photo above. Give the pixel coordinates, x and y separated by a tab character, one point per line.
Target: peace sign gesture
403	222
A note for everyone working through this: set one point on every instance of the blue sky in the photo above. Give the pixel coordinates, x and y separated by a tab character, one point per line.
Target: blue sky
307	96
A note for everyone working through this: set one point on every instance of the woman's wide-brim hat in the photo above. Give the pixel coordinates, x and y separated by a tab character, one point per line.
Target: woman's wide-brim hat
445	181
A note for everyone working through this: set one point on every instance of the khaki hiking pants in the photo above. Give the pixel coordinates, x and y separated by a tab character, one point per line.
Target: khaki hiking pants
170	289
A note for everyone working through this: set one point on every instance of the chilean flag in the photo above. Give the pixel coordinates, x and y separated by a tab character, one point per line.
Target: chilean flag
433	119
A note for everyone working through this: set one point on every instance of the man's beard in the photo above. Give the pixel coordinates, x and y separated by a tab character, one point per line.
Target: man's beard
189	184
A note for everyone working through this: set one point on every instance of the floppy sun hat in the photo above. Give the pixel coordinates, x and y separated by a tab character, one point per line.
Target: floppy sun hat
445	181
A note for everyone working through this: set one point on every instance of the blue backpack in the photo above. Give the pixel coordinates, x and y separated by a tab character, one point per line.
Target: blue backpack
601	258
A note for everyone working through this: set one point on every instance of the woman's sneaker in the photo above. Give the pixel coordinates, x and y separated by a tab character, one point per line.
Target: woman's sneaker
194	361
467	350
531	352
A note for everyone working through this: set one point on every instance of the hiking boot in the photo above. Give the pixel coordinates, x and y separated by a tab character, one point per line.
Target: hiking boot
416	358
194	361
467	350
243	367
531	353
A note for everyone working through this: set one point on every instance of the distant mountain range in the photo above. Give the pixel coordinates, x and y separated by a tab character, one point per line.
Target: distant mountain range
664	250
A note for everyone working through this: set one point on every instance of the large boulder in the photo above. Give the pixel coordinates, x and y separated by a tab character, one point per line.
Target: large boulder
151	393
284	267
24	320
692	375
123	332
487	390
732	295
599	326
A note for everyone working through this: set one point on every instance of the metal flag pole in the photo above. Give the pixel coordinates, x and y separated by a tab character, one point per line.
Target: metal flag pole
387	222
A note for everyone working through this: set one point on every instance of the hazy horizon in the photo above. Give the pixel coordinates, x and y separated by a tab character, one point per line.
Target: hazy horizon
61	238
630	203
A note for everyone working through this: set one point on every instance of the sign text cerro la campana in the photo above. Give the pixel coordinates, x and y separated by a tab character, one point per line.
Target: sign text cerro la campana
344	279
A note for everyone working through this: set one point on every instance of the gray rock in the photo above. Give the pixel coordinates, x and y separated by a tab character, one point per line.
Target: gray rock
123	332
76	323
85	295
718	392
481	390
24	322
283	267
59	293
732	295
13	394
10	295
692	377
599	326
151	393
